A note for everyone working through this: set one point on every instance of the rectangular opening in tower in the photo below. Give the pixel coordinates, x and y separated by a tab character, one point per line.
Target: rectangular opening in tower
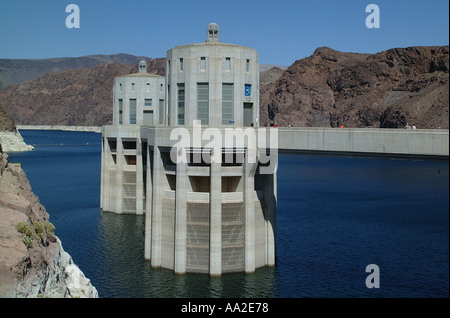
200	183
248	114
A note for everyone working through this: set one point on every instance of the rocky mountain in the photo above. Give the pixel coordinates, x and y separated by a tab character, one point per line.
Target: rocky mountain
14	71
387	89
73	97
6	122
270	75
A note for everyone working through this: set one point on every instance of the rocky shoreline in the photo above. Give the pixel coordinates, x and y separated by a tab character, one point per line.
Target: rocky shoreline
95	129
12	141
33	262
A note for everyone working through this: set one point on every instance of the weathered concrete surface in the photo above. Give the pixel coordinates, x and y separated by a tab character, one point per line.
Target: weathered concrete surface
389	142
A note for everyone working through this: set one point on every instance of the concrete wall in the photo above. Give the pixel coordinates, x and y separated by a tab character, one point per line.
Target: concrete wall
215	74
390	142
122	177
123	90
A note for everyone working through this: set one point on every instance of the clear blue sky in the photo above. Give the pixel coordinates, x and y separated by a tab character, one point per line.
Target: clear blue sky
281	30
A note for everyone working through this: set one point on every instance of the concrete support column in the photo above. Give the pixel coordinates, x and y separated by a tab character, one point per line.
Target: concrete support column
148	210
119	176
172	91
158	174
180	218
270	217
249	202
139	178
215	220
104	170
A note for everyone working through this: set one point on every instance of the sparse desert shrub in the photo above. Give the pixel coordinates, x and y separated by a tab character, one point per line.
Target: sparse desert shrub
28	241
49	227
39	229
26	229
29	233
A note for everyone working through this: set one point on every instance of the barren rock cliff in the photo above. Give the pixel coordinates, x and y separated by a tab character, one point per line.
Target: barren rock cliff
77	97
33	262
387	90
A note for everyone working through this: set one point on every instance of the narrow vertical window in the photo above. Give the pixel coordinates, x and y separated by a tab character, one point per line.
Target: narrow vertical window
227	64
203	63
161	111
180	96
227	104
133	87
161	88
203	103
132	111
120	87
181	64
120	111
148	87
247	65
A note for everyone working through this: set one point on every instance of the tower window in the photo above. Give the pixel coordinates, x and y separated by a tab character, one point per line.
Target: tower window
161	111
133	87
247	65
203	63
148	87
203	103
132	111
180	104
228	64
227	104
120	87
161	86
181	65
120	110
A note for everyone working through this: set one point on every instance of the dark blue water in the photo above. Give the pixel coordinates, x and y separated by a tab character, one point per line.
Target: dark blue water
335	216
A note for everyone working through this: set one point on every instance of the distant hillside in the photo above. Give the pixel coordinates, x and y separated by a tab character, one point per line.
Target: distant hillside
387	90
14	71
74	97
327	89
6	122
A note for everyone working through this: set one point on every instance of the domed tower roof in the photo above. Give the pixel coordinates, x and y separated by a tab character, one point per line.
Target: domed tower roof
142	67
212	33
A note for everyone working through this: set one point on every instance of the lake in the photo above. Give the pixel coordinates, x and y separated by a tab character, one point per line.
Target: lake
336	215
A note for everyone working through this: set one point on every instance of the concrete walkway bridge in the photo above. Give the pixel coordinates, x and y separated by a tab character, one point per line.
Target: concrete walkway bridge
408	143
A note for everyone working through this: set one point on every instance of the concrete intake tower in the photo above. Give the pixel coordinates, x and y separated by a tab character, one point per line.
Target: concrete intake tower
187	151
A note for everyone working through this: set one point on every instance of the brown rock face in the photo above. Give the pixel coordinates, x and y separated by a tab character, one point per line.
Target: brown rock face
6	122
387	89
19	204
79	97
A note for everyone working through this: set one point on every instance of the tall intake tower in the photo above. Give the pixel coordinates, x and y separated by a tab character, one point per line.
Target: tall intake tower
208	182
